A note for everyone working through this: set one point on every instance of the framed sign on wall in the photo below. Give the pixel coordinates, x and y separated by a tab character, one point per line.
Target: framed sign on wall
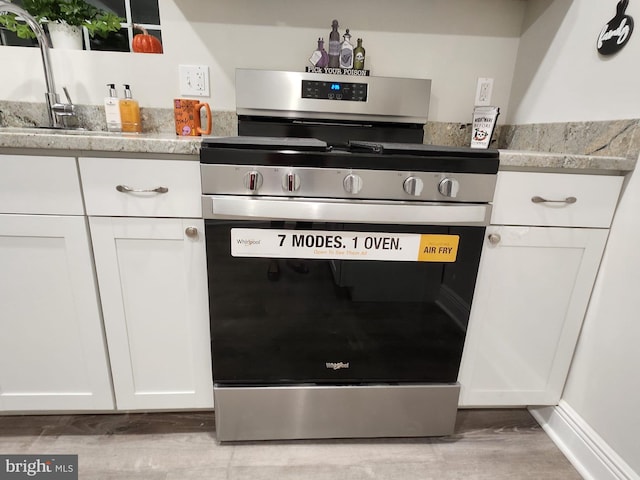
616	33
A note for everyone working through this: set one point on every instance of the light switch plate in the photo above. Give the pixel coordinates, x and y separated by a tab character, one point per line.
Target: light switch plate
194	80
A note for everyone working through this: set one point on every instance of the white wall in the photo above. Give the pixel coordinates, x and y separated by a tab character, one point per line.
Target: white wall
453	42
560	78
559	75
604	382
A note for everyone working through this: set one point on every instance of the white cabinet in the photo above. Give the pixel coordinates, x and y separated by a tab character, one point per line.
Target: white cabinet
534	285
153	283
129	187
532	292
39	185
52	348
572	200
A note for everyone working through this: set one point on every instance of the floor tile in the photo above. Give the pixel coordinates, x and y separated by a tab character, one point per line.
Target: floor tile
487	445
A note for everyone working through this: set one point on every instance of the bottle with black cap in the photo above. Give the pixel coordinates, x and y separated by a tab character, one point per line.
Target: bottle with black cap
130	112
112	110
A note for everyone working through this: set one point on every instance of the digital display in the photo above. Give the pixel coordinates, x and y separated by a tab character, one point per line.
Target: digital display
350	91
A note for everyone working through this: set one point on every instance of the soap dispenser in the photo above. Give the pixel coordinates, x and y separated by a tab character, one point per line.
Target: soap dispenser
130	112
112	110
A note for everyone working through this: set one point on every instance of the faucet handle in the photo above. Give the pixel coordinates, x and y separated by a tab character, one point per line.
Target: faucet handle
66	93
63	109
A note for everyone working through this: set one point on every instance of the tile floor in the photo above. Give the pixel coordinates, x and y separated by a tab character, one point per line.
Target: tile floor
487	445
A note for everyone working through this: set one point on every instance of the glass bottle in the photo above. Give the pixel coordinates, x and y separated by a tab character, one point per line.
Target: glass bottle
346	51
358	56
320	58
334	46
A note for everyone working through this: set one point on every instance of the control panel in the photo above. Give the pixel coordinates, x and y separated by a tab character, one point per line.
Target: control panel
354	92
338	183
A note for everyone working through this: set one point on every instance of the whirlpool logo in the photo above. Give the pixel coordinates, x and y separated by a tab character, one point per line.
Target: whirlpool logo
62	467
247	242
337	365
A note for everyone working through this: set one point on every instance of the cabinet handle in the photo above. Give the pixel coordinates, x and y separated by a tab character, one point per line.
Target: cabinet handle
494	238
568	200
191	232
125	189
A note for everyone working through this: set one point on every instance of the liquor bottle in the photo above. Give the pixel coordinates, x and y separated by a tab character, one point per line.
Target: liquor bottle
320	58
346	51
334	46
358	56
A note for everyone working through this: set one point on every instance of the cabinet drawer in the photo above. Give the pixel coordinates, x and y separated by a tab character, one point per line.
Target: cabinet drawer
39	185
555	199
124	187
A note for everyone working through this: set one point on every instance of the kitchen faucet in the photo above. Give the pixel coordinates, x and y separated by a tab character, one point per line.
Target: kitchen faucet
56	110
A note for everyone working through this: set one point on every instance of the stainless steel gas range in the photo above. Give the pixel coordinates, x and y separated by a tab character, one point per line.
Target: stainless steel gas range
341	267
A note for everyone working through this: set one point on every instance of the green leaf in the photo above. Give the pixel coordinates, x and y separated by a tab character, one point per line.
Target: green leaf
9	22
72	12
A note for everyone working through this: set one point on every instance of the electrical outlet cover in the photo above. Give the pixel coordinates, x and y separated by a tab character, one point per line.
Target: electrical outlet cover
483	92
194	80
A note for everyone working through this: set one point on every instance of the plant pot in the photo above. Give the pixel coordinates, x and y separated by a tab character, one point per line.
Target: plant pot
65	36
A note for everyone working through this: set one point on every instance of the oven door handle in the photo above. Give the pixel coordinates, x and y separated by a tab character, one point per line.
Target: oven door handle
406	213
333	124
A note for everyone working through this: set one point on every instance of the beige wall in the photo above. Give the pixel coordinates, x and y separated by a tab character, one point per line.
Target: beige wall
559	75
453	42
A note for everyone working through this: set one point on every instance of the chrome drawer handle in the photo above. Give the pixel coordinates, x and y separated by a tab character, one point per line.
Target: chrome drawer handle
568	200
125	189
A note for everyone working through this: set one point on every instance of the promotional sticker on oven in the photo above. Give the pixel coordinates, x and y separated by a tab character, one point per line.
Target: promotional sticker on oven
339	245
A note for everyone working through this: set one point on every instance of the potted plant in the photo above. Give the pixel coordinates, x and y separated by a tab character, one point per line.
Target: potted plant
63	18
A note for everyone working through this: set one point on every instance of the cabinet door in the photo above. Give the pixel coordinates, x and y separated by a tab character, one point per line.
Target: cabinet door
52	349
531	295
153	288
38	185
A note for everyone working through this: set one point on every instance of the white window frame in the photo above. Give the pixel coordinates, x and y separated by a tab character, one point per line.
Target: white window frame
128	24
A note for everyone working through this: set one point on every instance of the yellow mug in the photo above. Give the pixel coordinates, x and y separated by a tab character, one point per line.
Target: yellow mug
186	113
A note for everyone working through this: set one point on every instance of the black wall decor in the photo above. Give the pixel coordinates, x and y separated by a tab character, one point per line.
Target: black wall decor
615	34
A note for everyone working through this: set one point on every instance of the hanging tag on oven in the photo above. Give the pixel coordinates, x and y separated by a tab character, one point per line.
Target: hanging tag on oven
340	245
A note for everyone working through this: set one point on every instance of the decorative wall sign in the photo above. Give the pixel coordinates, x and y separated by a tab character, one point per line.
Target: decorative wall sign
337	71
617	32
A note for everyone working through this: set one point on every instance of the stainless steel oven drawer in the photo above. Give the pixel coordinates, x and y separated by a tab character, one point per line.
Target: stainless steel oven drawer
297	412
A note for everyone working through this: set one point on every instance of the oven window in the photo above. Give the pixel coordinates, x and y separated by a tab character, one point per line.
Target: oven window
331	321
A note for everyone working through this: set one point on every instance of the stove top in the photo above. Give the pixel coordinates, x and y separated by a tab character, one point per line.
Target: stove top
311	152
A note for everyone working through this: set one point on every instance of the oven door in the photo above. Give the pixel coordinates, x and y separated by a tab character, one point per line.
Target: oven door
331	293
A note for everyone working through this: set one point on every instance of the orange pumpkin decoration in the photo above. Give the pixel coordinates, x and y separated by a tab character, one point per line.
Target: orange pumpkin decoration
145	43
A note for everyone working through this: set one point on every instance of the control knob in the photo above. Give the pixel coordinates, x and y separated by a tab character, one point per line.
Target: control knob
413	186
252	180
291	182
449	187
352	183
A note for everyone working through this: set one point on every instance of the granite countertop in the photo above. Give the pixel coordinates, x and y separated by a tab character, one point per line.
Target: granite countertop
81	140
565	162
170	144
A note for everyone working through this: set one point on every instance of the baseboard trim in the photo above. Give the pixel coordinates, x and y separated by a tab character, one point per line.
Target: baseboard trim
584	448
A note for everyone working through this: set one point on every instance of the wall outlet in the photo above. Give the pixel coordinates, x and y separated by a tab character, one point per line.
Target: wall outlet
483	92
194	80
